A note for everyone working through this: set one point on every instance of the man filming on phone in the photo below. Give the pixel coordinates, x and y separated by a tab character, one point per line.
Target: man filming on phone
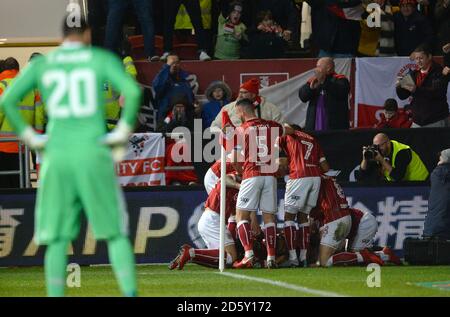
397	161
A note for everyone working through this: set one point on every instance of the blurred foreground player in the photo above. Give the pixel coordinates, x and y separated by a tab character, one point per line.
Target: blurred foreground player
78	168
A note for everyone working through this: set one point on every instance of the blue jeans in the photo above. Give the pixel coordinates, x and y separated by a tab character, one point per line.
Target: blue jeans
144	12
323	53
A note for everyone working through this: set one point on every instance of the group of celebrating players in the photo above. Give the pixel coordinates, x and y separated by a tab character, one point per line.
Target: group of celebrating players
319	226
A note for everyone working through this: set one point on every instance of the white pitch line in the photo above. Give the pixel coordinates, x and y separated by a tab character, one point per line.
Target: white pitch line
283	284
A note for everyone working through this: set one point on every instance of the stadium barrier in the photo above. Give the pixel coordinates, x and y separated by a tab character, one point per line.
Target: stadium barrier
161	219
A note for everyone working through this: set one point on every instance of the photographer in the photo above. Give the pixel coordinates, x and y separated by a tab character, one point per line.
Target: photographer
397	161
370	170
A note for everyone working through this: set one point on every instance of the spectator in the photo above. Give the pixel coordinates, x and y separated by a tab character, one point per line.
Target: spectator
218	94
32	111
398	161
437	221
442	18
429	105
284	13
170	12
411	28
266	40
264	109
378	41
170	81
181	114
2	65
392	117
112	98
333	35
144	12
231	31
327	94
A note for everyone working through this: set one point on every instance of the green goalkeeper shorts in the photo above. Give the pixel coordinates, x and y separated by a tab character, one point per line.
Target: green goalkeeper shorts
70	183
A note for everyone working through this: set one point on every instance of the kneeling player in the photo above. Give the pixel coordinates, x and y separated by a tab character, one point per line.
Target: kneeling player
209	229
360	243
334	217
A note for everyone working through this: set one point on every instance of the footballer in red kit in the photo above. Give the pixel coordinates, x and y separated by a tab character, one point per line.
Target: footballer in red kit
255	141
306	163
334	218
360	249
212	176
209	229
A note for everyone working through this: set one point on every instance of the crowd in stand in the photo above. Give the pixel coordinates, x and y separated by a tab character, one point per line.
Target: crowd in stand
265	29
233	29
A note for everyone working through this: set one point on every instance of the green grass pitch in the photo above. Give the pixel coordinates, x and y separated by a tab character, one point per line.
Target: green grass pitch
157	280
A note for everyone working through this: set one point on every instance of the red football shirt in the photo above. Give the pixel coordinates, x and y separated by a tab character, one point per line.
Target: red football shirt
213	201
256	138
216	168
304	154
332	203
356	215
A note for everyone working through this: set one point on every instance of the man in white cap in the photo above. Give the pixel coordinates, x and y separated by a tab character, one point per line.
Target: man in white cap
437	222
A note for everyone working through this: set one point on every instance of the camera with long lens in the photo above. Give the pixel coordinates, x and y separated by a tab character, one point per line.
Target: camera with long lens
371	152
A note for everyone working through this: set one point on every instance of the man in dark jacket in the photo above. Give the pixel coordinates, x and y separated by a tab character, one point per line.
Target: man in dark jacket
171	81
411	28
442	18
437	222
429	105
327	94
334	36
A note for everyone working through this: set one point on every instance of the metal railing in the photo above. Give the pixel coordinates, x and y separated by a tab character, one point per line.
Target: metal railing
24	173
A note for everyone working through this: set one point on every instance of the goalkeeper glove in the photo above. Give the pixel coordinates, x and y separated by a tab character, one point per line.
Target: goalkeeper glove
117	140
32	139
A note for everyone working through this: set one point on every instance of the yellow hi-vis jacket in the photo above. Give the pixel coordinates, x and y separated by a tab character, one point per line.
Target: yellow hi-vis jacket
415	171
31	108
112	98
183	21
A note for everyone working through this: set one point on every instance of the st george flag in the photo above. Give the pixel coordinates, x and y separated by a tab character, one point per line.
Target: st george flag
351	10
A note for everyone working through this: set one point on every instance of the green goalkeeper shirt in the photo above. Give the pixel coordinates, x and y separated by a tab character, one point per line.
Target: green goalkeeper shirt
71	80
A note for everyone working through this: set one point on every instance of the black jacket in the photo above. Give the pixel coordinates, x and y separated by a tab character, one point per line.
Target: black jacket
336	89
331	33
429	103
411	32
442	18
437	221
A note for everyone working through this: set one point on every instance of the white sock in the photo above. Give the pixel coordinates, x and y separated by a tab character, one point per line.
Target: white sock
292	255
359	257
248	254
270	257
229	259
383	256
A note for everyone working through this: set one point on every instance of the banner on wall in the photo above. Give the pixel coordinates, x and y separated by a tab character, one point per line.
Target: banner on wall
375	82
143	164
284	94
161	221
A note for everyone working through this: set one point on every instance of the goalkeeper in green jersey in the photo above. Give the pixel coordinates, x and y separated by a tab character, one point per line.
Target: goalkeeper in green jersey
78	155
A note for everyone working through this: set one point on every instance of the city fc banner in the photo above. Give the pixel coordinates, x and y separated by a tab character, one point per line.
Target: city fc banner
375	82
284	93
143	164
